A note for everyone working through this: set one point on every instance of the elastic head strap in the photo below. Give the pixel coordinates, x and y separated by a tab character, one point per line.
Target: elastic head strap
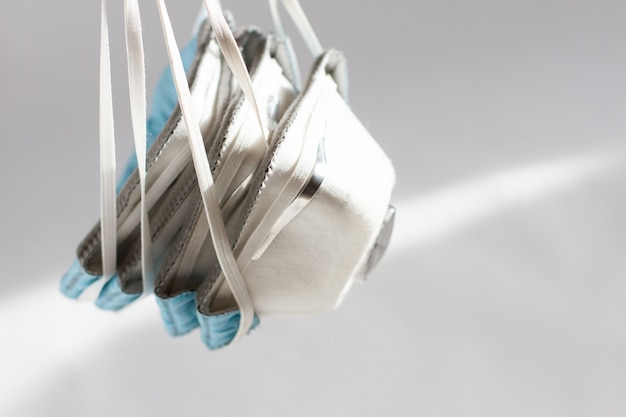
108	224
137	94
136	69
302	23
232	56
212	208
137	89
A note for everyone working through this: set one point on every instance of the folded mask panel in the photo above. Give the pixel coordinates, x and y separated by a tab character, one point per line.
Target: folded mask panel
235	159
176	205
168	156
164	101
314	215
175	202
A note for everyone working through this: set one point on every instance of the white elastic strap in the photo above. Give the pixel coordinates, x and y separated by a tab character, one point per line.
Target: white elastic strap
107	155
302	23
137	90
232	55
203	171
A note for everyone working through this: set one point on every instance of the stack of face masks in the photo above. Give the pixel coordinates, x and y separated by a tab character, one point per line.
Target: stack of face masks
257	195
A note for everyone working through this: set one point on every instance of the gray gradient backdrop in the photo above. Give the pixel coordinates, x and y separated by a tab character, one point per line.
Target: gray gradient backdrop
504	290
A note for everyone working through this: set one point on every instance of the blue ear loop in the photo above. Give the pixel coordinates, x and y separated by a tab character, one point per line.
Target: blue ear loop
180	314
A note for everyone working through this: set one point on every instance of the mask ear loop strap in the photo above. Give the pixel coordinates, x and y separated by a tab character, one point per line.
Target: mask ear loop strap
299	18
232	55
108	203
108	211
213	211
137	95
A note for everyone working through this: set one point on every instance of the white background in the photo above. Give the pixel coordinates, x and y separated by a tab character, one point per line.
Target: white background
503	291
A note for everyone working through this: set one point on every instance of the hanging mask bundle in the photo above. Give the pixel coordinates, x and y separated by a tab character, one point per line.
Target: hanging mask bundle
255	197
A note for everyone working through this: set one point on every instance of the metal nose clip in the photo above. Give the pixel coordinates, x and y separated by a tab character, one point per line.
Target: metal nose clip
301	201
381	244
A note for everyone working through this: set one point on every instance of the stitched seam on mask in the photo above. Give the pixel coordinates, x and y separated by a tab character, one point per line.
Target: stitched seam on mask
179	247
173	208
125	194
325	60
